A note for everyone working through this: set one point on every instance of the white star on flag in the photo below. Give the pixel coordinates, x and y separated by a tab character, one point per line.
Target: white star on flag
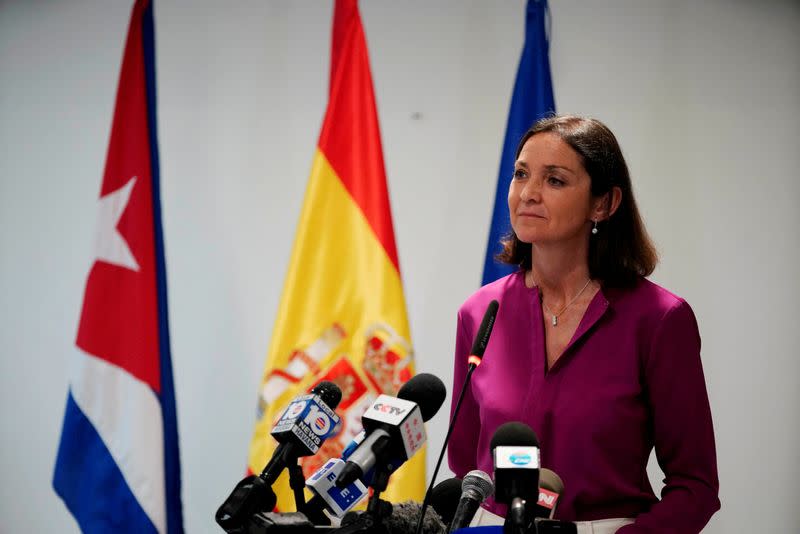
110	246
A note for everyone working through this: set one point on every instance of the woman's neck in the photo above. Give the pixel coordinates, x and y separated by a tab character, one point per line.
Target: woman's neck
559	273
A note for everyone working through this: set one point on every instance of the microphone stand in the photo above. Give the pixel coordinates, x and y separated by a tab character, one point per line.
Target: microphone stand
426	500
474	360
297	482
371	521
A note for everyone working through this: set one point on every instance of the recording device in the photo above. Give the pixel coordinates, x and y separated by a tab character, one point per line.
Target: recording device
550	489
394	427
476	488
337	500
305	423
482	337
393	430
473	361
444	498
301	429
515	450
404	516
338	497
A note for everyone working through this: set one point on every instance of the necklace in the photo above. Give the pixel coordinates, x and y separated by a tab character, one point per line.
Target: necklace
554	316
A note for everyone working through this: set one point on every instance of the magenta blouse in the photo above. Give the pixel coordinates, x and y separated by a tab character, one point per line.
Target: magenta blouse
629	380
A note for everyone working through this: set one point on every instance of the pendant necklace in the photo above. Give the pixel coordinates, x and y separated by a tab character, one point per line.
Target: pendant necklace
554	316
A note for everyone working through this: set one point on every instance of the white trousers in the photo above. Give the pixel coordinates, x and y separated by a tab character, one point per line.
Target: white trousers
484	517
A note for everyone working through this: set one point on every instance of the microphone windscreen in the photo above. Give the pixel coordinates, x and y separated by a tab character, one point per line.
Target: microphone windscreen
329	393
405	516
427	391
514	434
485	330
444	498
550	481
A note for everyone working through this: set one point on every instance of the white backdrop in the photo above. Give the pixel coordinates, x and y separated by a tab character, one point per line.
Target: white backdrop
704	97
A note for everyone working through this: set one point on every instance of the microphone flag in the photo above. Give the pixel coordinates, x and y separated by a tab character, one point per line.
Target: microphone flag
118	467
342	315
532	99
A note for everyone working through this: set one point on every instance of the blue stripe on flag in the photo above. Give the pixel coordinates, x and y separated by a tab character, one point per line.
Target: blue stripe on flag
172	465
532	100
90	482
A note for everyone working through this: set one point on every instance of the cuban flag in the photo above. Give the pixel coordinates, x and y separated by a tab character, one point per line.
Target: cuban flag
118	468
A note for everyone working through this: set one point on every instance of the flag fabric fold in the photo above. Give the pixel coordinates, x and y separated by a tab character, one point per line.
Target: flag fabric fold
342	315
118	467
532	99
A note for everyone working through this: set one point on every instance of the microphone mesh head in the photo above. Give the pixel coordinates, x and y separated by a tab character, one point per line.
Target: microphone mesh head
478	481
329	393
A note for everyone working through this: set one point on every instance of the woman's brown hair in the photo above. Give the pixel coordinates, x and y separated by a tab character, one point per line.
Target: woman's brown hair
621	252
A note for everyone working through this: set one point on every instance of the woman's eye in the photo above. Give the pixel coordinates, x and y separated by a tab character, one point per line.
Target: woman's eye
552	180
519	174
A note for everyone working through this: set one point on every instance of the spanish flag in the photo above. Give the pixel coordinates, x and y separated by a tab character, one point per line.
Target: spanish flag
342	315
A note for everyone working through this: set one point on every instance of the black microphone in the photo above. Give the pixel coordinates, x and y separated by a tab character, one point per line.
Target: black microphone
476	488
482	337
445	498
394	428
550	489
515	450
303	426
473	361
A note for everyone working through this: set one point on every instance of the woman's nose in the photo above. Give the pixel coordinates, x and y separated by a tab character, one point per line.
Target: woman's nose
532	190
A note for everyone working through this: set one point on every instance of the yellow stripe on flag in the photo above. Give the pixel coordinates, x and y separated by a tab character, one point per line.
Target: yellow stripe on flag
342	317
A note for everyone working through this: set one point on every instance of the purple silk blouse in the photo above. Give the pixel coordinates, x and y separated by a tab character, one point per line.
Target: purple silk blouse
630	379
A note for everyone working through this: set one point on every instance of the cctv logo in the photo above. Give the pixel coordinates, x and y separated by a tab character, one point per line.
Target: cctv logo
387	408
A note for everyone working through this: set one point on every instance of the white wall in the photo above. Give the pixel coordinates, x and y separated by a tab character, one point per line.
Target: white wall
704	96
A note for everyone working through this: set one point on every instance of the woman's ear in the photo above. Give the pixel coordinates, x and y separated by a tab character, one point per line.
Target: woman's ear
606	205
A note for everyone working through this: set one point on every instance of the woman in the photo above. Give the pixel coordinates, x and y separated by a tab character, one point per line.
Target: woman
601	363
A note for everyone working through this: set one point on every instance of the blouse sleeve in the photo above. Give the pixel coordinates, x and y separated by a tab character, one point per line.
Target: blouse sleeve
682	428
463	445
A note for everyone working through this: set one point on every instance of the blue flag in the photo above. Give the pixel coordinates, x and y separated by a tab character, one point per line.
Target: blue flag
532	100
118	468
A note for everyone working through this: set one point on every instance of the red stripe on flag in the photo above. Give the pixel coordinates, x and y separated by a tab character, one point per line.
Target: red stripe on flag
119	321
351	138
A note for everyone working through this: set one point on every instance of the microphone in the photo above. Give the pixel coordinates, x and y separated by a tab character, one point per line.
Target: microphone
550	489
393	427
482	337
515	450
401	520
330	496
474	360
445	498
303	426
476	488
404	516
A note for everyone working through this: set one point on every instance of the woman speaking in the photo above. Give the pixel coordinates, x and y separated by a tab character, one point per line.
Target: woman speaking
601	363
